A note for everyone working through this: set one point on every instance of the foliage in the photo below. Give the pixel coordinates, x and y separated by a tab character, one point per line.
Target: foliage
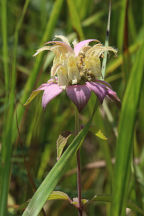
113	186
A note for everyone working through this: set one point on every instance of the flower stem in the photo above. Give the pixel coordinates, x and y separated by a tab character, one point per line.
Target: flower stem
77	129
79	183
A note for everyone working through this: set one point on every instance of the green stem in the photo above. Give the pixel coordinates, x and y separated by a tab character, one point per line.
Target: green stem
5	44
77	121
6	150
106	42
77	129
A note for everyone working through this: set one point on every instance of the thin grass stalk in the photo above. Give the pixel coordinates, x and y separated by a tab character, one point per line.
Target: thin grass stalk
3	163
105	106
5	44
107	199
119	61
120	34
7	135
132	24
75	19
31	81
104	147
16	35
106	42
79	183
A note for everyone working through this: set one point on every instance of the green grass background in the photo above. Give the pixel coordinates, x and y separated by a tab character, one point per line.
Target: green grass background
29	134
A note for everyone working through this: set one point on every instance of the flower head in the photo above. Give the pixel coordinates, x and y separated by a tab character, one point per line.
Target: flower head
75	70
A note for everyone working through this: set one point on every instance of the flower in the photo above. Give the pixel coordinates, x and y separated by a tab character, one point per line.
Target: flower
76	71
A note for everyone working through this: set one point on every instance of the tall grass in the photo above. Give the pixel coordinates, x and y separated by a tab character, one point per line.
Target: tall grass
30	134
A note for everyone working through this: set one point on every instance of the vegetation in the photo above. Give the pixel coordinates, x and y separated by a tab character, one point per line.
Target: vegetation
111	138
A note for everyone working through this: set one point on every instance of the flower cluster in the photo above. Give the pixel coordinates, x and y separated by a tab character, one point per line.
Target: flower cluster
76	70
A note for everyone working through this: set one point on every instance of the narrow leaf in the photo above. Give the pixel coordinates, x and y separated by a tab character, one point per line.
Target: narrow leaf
31	97
61	142
75	19
126	134
121	25
10	85
106	42
52	21
101	135
58	195
108	199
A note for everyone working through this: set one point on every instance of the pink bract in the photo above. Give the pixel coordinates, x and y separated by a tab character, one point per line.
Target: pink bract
79	94
81	44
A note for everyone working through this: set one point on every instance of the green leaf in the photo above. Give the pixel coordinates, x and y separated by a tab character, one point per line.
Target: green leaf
108	199
51	180
114	64
124	146
75	19
10	90
121	24
58	195
101	135
31	97
104	62
52	21
61	142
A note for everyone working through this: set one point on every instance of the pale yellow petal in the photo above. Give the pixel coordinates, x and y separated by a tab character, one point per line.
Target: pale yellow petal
65	46
42	49
98	50
63	38
54	69
73	72
62	77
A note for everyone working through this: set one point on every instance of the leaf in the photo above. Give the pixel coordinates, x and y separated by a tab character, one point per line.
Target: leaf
114	64
120	34
10	90
108	198
101	135
104	62
49	29
31	97
58	195
61	142
124	146
51	180
75	19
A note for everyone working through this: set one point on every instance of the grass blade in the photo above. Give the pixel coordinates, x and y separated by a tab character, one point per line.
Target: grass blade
121	24
107	199
8	124
5	46
126	133
75	19
31	81
106	42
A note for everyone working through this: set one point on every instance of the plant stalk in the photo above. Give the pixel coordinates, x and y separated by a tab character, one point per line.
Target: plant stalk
77	129
79	183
